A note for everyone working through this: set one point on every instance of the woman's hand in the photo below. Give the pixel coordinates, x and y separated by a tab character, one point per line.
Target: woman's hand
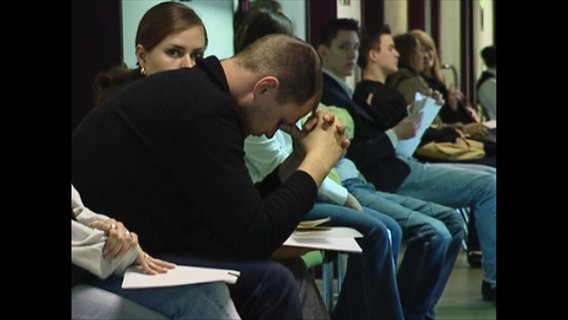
119	241
454	97
476	129
152	265
436	95
407	127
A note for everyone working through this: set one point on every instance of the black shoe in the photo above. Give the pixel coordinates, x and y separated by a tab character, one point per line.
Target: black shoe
474	258
488	293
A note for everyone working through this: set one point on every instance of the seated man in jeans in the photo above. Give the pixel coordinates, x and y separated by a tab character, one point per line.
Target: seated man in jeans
373	147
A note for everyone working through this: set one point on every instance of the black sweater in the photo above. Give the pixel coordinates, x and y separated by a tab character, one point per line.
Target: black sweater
370	149
164	154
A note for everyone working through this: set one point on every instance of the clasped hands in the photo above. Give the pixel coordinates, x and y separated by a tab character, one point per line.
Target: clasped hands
322	131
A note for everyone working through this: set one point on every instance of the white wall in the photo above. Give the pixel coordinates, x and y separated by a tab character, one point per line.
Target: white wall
296	11
293	9
217	16
483	35
132	12
396	16
450	38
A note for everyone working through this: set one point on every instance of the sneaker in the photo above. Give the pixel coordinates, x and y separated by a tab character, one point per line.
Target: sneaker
488	293
474	258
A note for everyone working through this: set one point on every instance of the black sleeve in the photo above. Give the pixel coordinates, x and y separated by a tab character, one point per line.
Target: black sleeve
366	153
209	162
269	183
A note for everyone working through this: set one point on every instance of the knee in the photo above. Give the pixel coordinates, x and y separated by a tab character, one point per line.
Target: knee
380	234
455	225
487	183
438	233
395	233
278	276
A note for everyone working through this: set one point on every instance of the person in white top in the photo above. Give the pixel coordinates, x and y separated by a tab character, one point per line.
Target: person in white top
104	247
487	83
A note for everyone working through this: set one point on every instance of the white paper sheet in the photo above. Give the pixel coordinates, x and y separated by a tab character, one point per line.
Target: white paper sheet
429	109
491	124
134	278
336	239
333	244
329	232
308	224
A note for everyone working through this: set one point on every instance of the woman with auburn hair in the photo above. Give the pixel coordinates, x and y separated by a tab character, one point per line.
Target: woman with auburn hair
170	35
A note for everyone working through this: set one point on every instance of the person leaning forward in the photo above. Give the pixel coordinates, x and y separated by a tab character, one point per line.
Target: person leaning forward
166	152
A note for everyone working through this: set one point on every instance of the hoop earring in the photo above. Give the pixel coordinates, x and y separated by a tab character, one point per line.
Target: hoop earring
143	71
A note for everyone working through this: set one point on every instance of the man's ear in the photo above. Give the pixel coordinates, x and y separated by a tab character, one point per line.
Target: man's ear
372	55
264	85
322	51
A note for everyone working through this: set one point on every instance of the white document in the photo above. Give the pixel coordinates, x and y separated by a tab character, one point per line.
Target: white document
308	224
328	232
335	239
135	278
429	109
491	124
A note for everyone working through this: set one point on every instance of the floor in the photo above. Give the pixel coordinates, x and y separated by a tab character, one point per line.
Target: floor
462	297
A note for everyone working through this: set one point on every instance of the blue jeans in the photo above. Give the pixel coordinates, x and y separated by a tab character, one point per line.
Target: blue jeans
197	301
265	290
369	289
433	234
88	302
457	188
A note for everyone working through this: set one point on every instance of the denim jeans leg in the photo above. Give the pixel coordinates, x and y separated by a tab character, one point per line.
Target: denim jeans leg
266	289
432	233
369	289
457	187
196	301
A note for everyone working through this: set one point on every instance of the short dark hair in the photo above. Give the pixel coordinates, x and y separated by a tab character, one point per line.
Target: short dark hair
329	31
370	39
294	62
489	55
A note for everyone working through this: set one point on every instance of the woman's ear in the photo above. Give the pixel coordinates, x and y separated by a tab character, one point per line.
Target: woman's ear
140	55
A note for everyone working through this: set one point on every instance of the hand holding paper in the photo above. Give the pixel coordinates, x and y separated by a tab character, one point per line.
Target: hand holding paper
427	108
407	127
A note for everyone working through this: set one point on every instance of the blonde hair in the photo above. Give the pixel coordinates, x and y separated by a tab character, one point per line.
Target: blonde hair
428	43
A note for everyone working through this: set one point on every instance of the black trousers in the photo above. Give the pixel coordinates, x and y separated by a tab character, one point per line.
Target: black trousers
266	289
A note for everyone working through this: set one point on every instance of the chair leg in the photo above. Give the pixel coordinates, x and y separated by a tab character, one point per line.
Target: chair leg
464	213
327	285
341	269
